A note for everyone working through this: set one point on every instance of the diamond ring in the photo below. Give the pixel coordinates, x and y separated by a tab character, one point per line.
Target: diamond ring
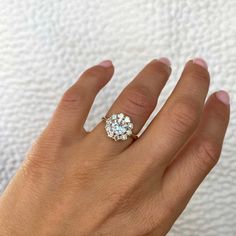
119	127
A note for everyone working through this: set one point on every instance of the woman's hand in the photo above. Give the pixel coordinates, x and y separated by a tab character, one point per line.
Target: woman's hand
77	183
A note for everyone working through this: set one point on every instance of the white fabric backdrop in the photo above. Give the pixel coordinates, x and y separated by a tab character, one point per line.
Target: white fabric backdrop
45	45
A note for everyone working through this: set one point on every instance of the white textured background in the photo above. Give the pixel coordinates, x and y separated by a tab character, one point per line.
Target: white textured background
45	45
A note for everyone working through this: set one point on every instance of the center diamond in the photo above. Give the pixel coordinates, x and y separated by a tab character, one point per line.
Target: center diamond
118	127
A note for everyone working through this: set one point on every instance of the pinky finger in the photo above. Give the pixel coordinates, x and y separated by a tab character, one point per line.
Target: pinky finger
200	154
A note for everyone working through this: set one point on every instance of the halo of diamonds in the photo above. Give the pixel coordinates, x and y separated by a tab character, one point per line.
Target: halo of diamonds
119	127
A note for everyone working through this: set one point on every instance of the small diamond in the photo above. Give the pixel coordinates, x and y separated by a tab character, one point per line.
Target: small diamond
121	115
124	137
113	117
131	125
127	119
129	132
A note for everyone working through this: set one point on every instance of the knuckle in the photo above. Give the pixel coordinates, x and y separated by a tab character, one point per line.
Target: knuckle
207	154
35	167
118	198
184	116
43	155
73	98
138	101
115	196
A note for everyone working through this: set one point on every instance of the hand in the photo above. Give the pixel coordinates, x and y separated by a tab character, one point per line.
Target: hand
77	183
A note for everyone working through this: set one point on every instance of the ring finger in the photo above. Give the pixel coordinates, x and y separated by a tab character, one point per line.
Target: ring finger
137	101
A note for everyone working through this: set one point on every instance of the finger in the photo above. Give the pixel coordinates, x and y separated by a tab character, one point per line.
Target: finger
137	101
76	102
178	118
201	153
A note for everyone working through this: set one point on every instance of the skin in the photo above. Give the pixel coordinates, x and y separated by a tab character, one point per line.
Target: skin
78	183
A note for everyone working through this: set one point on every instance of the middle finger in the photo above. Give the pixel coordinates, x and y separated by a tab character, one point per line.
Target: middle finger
178	118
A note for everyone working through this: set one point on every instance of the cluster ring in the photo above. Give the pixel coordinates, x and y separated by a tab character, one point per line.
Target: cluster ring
119	127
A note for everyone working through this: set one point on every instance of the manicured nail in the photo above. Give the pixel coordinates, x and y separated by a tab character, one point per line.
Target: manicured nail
223	96
200	62
106	63
165	60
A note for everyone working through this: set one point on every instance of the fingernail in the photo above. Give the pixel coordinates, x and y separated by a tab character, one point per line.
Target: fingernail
223	96
200	62
165	60
106	63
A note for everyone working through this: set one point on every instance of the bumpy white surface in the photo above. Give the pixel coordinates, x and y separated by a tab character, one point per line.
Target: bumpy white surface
45	45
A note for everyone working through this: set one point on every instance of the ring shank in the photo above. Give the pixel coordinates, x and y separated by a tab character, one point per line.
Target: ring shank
134	136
